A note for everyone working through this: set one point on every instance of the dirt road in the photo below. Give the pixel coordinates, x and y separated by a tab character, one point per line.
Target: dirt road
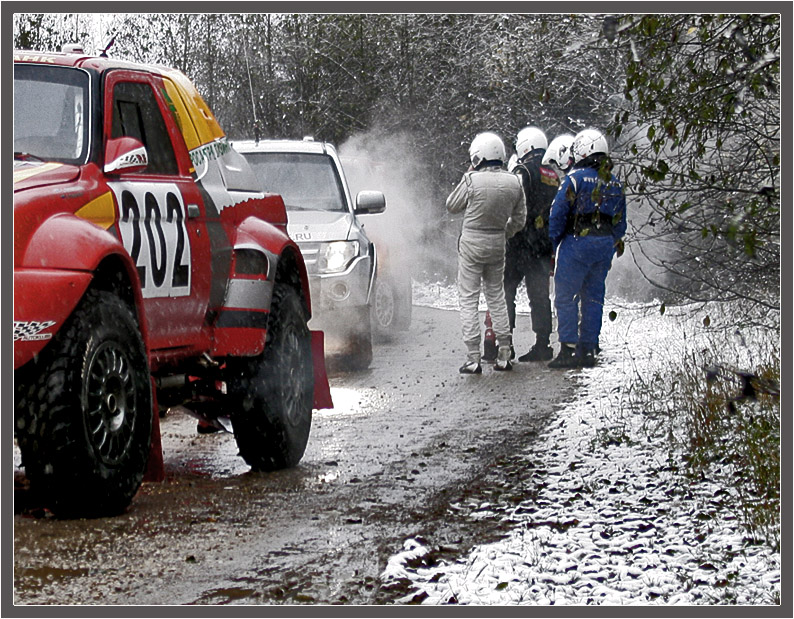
407	441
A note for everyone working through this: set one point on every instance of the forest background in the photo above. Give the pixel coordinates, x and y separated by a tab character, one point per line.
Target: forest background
691	105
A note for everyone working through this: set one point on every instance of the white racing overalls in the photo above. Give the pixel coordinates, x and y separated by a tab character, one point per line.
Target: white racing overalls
494	209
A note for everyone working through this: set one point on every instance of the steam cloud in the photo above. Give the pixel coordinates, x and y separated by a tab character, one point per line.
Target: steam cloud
413	230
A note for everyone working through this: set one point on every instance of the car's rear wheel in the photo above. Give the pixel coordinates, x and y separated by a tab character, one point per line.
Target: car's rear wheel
272	395
384	307
84	417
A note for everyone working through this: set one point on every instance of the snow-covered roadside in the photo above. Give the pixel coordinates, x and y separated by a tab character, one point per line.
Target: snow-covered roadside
611	522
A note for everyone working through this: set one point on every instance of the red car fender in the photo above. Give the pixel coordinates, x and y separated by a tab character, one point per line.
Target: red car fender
43	300
275	241
88	245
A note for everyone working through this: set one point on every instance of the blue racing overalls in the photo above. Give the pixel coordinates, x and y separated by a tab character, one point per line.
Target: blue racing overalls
587	219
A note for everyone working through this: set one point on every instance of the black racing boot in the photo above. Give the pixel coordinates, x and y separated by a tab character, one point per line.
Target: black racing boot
489	352
589	358
566	358
471	367
539	352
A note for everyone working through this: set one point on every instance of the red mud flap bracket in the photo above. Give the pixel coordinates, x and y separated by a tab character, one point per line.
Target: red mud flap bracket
155	469
322	390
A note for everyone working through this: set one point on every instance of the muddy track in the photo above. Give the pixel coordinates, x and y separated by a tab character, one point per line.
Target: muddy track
409	451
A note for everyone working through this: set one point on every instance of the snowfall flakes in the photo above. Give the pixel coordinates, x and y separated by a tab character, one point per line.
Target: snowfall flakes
610	525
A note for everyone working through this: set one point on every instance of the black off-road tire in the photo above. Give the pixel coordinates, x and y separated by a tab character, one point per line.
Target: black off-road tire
83	412
272	395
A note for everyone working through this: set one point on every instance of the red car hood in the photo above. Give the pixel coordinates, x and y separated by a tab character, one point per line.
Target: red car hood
28	174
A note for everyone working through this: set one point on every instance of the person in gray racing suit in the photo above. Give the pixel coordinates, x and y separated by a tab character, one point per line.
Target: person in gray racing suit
494	209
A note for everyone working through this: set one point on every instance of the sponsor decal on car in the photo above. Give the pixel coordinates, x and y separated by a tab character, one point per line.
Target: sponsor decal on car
33	58
209	152
31	331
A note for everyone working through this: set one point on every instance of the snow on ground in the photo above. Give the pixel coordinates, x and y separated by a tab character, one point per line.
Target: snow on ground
611	522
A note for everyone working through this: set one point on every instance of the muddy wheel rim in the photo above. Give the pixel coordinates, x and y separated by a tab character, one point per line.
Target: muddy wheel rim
295	368
384	305
110	402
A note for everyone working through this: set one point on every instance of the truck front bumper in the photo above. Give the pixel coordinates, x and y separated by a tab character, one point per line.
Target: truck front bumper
334	293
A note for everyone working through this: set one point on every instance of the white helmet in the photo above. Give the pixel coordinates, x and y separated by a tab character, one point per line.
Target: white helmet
589	142
559	152
529	139
486	147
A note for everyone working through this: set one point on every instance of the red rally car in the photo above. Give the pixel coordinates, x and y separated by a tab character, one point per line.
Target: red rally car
149	270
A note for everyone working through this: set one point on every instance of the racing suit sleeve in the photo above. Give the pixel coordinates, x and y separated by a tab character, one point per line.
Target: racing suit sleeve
458	199
518	216
560	209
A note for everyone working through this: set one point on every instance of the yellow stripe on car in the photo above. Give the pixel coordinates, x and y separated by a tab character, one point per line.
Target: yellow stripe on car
21	175
101	211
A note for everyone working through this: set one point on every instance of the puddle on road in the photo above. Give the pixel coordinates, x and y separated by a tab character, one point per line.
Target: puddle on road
347	403
357	402
40	577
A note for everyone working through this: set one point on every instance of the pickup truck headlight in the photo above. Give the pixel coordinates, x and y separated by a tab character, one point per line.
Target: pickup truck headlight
336	257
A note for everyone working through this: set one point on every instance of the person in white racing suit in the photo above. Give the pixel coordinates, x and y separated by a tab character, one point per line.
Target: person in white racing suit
494	209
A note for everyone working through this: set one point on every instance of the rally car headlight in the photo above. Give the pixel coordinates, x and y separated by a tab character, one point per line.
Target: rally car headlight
336	257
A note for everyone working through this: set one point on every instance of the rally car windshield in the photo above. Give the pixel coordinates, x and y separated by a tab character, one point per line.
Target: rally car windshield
51	113
305	181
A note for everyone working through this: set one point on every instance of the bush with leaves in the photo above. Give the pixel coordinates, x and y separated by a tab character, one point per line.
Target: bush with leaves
699	136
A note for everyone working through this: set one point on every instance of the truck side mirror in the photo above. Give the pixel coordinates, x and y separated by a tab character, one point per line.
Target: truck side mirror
370	202
125	154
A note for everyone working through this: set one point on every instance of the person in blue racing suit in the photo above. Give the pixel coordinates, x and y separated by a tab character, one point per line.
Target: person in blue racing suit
586	226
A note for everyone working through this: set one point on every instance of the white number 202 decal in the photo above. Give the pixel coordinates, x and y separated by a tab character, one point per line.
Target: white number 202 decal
153	230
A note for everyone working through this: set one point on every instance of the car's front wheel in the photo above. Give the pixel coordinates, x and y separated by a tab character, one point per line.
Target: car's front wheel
84	411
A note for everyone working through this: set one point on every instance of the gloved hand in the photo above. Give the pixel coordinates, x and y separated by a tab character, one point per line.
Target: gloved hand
620	247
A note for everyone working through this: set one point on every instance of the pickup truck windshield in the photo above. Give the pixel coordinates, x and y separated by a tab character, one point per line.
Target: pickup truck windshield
51	113
305	181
